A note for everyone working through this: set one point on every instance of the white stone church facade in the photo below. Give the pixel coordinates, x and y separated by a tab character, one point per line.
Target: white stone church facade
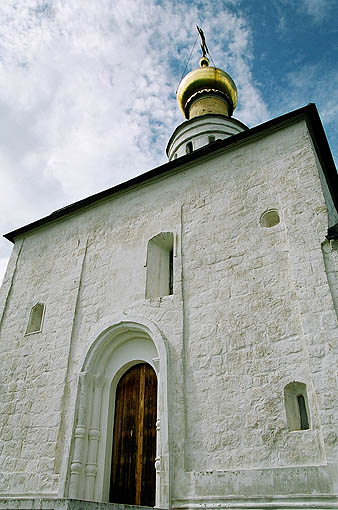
219	270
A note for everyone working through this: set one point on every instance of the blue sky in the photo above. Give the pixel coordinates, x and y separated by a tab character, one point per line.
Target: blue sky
87	88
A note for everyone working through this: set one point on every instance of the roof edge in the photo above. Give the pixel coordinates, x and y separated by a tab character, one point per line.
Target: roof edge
308	113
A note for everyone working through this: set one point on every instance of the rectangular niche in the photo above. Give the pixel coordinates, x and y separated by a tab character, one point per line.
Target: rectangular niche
160	265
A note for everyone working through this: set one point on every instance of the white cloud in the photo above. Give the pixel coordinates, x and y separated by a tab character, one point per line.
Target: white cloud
87	92
318	10
312	83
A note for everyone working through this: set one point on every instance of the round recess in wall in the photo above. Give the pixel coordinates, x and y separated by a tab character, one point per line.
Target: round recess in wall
269	218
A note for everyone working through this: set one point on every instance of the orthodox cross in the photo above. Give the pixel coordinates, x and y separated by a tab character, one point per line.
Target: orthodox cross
204	46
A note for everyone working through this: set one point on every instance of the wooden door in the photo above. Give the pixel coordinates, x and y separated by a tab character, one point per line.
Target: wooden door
134	438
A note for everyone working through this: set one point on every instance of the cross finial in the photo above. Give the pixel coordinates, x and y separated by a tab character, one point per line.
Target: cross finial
204	46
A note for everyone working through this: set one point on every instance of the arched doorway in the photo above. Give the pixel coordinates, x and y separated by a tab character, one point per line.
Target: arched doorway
133	476
114	351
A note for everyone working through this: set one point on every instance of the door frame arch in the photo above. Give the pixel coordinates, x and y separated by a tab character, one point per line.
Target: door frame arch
117	348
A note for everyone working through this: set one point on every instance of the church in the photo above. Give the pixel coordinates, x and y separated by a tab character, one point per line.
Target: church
173	341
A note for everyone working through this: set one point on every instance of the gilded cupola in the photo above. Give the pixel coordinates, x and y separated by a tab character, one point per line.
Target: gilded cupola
207	90
207	97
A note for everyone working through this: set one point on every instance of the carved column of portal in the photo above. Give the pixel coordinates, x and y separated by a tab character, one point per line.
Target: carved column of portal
80	434
158	466
156	362
94	436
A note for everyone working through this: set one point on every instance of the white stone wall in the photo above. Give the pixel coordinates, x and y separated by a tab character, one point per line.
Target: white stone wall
252	310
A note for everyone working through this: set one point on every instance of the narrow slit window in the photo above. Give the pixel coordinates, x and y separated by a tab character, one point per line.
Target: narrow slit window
304	421
211	138
160	265
35	319
171	271
297	406
188	148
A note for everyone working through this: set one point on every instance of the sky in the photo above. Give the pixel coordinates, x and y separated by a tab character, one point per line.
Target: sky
87	87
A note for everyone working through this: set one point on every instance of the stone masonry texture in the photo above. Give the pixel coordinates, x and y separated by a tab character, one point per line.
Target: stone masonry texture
252	310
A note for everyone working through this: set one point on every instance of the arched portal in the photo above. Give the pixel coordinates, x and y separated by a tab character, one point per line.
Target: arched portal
112	354
132	478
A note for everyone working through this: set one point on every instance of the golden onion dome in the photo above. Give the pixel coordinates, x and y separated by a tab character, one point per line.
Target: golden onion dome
206	80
